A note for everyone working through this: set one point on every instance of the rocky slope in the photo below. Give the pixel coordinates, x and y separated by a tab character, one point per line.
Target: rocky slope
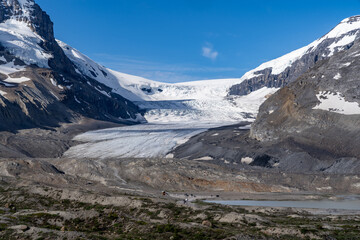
39	85
319	112
233	148
286	69
310	125
37	211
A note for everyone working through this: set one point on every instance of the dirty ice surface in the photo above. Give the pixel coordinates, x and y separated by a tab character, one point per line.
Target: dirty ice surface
171	123
139	141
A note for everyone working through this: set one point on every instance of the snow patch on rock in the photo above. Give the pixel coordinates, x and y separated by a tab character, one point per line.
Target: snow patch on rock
10	67
26	6
346	64
18	38
334	102
347	39
247	160
206	158
17	80
53	82
324	188
356	185
337	76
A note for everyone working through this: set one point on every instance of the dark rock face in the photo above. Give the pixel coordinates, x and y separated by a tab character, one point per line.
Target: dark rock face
299	66
11	8
41	24
291	114
55	95
41	104
235	149
44	27
30	13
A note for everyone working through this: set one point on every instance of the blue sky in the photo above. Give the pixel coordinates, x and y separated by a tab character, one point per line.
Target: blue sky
185	40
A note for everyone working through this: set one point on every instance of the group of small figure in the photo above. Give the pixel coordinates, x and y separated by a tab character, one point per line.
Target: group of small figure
164	193
187	195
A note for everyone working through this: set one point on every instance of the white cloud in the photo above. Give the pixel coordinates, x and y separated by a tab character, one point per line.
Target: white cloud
209	52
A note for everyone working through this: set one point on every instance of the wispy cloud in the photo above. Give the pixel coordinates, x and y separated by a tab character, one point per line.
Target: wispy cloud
209	52
162	71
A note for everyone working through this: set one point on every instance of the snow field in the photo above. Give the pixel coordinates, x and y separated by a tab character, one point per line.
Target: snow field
23	43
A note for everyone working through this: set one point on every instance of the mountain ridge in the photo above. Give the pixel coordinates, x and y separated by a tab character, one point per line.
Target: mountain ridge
287	68
38	82
310	125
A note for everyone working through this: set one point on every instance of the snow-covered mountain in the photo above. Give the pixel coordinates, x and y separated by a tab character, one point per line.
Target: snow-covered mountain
140	89
44	82
286	69
318	114
56	74
205	100
224	100
39	86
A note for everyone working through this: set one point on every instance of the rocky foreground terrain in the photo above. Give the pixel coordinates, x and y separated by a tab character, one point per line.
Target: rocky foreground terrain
40	201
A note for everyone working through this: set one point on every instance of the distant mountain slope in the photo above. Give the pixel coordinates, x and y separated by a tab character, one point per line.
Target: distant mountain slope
286	69
311	125
205	100
44	81
39	86
140	89
319	112
64	84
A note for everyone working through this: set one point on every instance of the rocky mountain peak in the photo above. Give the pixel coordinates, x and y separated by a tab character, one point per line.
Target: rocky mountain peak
319	112
286	69
20	10
39	86
31	13
351	19
24	21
